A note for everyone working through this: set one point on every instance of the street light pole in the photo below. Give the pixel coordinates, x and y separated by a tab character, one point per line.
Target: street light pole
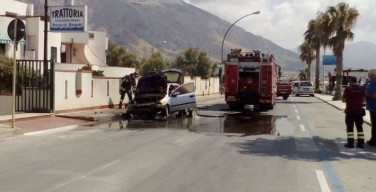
223	41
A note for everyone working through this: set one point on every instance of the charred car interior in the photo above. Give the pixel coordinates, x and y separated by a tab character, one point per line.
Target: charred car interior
159	94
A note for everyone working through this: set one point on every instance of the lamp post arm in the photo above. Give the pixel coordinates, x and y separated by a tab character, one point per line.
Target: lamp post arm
224	37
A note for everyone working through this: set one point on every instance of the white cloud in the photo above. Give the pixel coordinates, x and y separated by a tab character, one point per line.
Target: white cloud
285	21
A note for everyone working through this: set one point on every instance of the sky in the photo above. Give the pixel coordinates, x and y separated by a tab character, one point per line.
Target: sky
285	21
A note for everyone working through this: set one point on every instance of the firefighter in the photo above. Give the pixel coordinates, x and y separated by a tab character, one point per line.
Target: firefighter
128	84
354	96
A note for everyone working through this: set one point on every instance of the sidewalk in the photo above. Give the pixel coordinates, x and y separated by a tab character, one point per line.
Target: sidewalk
32	122
340	105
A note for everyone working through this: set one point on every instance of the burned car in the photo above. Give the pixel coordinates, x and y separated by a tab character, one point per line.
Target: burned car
159	93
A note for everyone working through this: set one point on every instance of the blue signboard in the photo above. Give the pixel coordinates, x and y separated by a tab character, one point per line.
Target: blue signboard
329	60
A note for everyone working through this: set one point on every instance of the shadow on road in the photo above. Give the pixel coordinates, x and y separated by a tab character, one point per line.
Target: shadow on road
308	149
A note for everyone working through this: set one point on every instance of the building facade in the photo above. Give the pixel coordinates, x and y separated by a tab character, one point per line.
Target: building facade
85	47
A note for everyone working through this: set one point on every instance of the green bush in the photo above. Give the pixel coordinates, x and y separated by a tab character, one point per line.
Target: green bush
98	73
6	74
86	68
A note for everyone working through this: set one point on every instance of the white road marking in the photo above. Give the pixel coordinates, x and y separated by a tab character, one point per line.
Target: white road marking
298	117
296	111
302	127
51	131
323	184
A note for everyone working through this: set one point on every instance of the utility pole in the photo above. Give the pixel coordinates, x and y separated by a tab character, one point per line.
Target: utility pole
45	36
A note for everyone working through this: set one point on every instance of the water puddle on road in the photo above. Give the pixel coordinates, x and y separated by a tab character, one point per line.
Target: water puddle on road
225	123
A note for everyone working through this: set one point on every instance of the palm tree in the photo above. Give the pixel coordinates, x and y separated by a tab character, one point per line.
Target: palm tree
307	55
325	28
303	74
313	37
317	36
342	18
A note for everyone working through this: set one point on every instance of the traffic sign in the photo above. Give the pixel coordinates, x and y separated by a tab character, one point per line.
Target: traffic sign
20	29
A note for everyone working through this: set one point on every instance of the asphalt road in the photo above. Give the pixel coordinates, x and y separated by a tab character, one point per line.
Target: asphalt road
298	146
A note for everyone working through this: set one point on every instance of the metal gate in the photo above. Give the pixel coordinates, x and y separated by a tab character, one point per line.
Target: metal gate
35	86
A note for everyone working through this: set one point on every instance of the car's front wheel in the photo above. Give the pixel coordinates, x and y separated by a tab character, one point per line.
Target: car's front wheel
165	111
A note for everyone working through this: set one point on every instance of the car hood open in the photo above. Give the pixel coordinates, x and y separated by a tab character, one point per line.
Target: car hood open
172	75
151	86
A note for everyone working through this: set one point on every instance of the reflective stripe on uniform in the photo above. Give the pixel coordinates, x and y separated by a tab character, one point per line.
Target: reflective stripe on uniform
350	135
361	135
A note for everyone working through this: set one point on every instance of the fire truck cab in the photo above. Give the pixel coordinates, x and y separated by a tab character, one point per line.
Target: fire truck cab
251	80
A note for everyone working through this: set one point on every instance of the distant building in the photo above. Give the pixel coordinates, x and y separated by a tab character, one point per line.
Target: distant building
85	47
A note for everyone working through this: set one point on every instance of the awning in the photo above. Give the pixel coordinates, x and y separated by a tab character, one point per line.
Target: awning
4	39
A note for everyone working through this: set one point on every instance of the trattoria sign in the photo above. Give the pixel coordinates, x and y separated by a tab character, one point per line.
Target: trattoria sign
68	18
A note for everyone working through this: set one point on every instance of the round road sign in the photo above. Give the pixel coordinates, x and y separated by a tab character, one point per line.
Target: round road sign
20	29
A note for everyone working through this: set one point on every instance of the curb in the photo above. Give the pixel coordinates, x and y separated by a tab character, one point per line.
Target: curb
27	118
325	101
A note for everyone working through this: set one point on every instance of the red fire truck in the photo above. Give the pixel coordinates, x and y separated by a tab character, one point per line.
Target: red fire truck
251	80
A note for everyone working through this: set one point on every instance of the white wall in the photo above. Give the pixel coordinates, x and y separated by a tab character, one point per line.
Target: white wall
35	39
204	86
19	9
89	47
104	91
96	92
107	70
15	7
95	50
6	104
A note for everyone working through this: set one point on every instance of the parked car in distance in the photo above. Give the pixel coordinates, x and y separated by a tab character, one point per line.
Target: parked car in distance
159	93
305	88
283	89
294	86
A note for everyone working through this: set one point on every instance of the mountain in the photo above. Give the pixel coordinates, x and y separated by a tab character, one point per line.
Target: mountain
357	55
170	26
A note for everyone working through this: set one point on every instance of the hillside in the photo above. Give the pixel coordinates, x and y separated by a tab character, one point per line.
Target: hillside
356	55
143	25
